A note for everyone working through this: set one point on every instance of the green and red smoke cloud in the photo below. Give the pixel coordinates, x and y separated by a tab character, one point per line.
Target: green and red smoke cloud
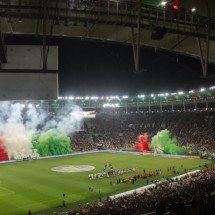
32	132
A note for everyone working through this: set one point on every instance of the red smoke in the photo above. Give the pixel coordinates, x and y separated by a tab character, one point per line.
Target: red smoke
3	153
143	144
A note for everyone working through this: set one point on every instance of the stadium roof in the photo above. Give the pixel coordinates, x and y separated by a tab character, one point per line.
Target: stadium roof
186	31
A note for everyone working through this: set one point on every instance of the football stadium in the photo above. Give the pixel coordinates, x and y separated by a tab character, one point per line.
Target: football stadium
107	107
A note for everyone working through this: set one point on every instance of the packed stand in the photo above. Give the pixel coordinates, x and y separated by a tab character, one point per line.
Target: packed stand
192	129
193	194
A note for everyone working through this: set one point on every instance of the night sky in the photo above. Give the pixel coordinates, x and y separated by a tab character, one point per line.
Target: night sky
102	68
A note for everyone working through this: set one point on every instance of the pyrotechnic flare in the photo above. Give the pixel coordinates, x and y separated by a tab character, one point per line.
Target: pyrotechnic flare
52	143
143	144
18	124
3	153
163	143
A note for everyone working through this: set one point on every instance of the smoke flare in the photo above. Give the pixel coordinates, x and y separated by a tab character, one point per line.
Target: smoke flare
163	143
18	123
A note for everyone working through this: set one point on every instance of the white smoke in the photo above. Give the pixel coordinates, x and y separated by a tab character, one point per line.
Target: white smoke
18	123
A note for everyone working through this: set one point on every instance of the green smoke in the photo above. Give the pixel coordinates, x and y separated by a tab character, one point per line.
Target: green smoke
163	143
51	143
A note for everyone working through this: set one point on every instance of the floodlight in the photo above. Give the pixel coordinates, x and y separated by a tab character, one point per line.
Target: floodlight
202	89
191	91
193	10
163	3
30	105
161	94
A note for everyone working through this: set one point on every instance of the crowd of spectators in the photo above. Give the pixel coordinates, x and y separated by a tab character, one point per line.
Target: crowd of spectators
192	194
194	130
82	142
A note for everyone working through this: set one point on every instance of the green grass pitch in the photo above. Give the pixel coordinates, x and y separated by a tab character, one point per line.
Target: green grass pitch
33	185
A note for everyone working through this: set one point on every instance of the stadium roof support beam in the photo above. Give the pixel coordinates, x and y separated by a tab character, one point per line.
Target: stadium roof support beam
3	56
205	61
136	44
204	57
38	19
205	71
44	34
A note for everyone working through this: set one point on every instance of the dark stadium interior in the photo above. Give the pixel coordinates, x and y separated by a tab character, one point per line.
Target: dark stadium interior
105	68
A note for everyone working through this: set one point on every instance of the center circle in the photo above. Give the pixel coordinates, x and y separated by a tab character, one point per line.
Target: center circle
73	168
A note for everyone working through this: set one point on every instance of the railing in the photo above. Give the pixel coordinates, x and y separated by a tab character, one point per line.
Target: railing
109	13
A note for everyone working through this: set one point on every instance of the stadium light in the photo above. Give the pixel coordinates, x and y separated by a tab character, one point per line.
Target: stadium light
160	95
79	98
193	10
114	97
152	95
94	98
180	93
163	3
71	98
87	98
212	88
109	105
30	105
191	91
125	97
173	94
202	89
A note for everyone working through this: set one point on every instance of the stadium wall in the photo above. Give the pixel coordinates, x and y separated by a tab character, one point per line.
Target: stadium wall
30	57
112	151
28	86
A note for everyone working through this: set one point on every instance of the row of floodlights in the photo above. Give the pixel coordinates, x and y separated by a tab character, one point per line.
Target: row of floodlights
164	3
126	97
23	105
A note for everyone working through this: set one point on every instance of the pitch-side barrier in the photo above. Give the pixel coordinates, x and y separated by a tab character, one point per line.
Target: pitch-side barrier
112	151
142	189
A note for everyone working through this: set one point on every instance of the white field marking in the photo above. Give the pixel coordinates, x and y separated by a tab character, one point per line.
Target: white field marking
72	168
